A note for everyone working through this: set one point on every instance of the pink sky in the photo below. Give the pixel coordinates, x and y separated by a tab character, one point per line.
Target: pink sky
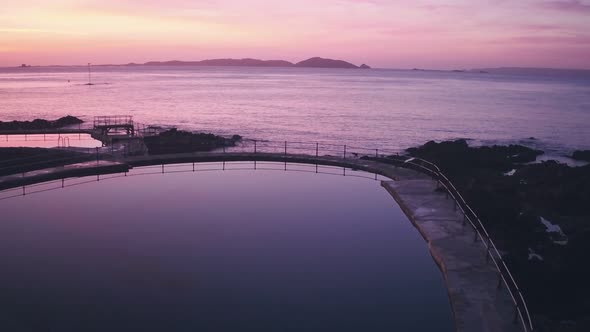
382	33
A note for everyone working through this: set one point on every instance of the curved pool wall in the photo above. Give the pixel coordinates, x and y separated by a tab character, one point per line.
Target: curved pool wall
217	250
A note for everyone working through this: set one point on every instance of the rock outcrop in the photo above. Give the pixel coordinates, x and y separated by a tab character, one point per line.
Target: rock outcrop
40	124
583	155
529	207
177	141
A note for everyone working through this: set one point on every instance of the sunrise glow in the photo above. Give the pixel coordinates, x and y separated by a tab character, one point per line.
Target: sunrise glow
383	33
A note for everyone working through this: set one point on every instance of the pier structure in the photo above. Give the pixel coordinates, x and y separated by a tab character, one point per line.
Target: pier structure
106	125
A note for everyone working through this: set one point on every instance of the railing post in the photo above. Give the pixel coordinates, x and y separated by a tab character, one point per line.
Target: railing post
285	148
515	314
317	149
488	254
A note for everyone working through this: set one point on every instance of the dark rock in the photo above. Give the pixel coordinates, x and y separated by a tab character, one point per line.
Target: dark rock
364	66
581	155
177	141
511	206
40	124
67	121
457	155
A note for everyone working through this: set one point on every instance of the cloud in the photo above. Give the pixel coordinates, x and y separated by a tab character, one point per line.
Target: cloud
562	40
567	5
37	31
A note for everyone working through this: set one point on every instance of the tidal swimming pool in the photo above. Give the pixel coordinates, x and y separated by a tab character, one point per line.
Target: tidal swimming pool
213	250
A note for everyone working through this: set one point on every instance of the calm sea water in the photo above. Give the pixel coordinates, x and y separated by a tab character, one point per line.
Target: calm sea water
375	108
234	250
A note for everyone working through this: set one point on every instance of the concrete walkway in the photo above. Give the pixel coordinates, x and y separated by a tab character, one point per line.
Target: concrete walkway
472	283
477	303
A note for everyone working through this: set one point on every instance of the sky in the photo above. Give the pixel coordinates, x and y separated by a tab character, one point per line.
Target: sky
457	34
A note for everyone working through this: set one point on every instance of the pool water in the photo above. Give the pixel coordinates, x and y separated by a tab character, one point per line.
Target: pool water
212	250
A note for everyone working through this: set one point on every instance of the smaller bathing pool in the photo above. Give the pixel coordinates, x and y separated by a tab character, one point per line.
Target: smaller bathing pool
49	141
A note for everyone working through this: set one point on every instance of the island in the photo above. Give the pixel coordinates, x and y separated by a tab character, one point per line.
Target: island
318	62
315	62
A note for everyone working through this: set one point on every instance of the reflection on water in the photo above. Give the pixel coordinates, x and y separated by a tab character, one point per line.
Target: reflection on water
49	141
217	251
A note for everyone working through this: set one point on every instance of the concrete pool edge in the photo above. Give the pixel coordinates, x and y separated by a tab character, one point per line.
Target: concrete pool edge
476	303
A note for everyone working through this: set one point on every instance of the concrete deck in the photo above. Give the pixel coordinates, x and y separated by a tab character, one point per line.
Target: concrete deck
477	304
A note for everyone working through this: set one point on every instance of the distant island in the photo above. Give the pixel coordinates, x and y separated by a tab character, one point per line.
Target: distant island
315	62
540	72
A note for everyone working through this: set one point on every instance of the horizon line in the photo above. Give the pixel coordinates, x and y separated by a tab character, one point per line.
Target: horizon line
250	58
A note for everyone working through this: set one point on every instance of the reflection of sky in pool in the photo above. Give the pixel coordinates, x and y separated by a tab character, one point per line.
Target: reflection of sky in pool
217	251
49	141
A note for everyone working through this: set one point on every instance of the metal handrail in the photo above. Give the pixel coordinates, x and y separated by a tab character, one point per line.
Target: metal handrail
521	308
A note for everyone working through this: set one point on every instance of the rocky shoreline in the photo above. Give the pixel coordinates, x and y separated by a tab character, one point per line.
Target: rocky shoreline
178	141
40	124
583	155
538	213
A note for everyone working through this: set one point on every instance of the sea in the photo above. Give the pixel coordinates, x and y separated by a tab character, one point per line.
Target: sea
378	108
